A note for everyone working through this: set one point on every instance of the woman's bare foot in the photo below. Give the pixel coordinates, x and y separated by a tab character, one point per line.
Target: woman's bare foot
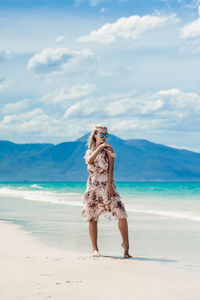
126	248
96	253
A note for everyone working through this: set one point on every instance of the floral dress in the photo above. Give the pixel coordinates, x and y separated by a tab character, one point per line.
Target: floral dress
95	199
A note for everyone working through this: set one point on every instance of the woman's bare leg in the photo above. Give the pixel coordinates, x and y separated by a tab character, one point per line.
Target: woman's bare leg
93	230
123	227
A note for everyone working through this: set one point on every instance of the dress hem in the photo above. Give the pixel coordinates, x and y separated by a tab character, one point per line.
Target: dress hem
106	215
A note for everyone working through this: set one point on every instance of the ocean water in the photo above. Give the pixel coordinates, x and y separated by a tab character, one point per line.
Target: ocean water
163	219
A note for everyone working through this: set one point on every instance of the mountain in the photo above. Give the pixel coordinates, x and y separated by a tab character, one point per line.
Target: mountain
137	160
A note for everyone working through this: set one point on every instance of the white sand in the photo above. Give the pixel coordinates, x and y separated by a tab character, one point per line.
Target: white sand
31	270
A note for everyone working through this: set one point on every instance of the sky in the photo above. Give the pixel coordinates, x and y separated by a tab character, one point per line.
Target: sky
66	65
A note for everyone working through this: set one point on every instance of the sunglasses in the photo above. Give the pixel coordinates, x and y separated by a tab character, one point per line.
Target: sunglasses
104	134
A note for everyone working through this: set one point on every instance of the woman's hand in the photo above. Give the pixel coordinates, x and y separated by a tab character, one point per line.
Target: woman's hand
102	146
110	190
110	148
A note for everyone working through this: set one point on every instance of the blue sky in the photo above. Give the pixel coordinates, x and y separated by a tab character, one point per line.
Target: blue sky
132	65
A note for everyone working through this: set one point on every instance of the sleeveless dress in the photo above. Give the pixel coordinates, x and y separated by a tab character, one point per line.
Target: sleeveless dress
95	199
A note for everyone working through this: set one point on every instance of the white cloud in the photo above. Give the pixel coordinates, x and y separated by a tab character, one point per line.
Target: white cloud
3	84
189	4
90	2
30	122
162	110
60	38
128	28
94	2
4	54
15	107
50	60
108	73
191	30
113	106
185	148
21	117
133	106
168	111
63	95
128	125
41	126
102	10
81	109
180	100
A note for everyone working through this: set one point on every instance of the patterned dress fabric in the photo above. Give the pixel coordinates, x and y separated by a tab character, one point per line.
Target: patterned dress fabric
95	199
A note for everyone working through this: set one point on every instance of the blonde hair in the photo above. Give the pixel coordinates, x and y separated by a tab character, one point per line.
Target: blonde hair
91	143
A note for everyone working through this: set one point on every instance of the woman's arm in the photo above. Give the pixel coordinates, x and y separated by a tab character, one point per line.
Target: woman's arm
96	152
93	156
111	169
110	173
111	156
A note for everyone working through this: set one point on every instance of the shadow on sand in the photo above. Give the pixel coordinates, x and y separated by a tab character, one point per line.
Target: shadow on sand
141	258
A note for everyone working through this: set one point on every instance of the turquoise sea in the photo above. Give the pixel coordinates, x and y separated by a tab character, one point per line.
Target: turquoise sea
163	219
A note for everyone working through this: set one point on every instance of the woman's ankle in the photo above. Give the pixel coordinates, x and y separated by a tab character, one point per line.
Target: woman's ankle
95	249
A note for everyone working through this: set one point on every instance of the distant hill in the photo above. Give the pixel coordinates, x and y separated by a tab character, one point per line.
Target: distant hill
137	160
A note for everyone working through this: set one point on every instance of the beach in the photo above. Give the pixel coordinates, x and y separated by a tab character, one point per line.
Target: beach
46	250
33	270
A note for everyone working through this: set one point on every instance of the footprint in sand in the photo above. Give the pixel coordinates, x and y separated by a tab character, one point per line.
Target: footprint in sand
70	281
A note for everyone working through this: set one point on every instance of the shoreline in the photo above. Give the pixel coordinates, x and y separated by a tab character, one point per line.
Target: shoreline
33	270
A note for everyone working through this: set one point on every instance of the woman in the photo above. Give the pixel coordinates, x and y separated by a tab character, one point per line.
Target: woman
101	196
